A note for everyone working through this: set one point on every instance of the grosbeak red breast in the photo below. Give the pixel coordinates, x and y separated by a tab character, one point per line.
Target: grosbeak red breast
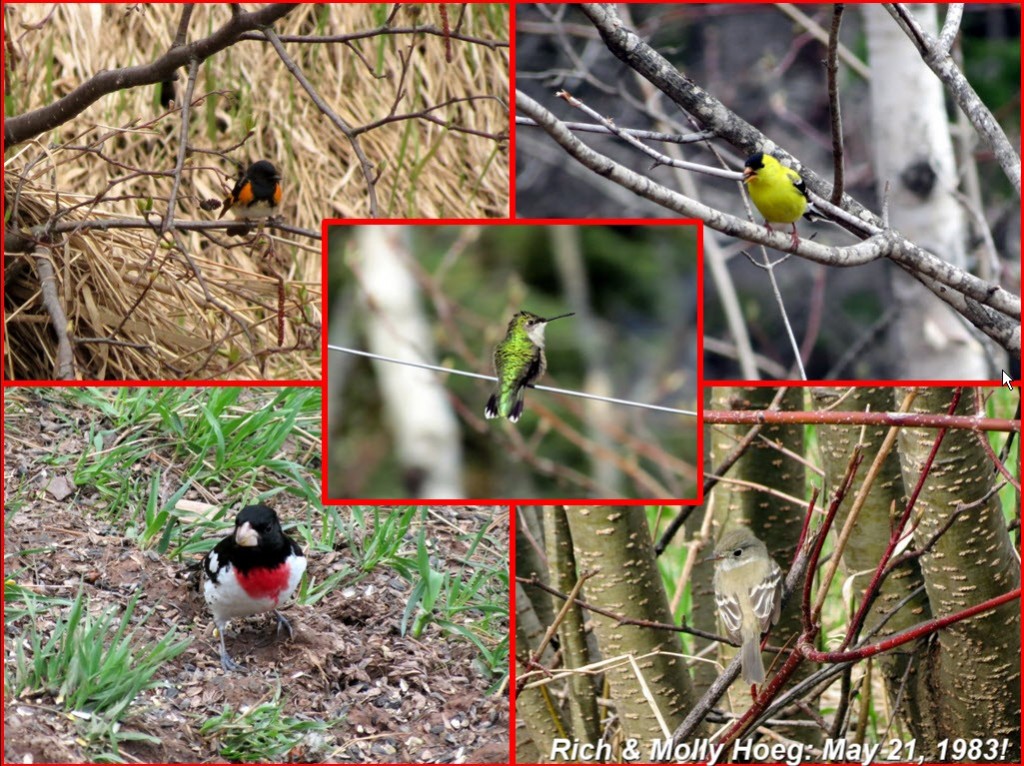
254	569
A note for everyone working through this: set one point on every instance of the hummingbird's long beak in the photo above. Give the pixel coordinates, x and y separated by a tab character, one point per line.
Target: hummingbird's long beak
560	316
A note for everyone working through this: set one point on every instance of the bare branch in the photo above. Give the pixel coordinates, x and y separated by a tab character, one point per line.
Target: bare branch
25	126
364	162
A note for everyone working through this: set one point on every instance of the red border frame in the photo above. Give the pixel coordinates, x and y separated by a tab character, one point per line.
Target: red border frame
512	505
327	223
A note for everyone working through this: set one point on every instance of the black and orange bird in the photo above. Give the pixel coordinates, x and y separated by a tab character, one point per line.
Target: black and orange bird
257	193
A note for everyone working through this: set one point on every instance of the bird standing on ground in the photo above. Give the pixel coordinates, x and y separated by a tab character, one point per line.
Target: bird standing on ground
778	192
254	569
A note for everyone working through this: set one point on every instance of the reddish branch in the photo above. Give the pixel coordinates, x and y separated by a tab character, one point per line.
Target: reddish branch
898	530
997	462
910	634
818	543
821	417
805	651
443	10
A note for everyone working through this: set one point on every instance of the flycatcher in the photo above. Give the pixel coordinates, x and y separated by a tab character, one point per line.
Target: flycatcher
748	592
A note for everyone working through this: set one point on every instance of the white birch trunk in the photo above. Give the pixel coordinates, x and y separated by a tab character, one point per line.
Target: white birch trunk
416	403
911	139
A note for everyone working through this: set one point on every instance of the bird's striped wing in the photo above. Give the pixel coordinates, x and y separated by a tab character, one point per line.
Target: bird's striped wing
766	597
729	610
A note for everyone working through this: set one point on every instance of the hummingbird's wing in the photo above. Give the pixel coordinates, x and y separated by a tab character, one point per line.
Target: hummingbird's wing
533	372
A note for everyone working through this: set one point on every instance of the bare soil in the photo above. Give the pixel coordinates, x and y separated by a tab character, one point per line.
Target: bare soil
387	698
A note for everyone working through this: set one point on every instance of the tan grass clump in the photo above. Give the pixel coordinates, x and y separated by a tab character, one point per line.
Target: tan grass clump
136	305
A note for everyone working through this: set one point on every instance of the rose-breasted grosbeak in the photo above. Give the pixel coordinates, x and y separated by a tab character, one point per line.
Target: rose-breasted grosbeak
254	569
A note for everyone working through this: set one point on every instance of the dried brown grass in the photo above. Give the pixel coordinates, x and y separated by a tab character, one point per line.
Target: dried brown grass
425	170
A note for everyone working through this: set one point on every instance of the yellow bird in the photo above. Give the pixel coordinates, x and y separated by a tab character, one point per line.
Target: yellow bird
778	192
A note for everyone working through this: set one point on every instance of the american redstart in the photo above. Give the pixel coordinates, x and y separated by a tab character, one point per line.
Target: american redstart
257	193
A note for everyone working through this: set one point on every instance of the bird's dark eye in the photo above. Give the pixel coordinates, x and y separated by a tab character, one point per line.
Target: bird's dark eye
737	552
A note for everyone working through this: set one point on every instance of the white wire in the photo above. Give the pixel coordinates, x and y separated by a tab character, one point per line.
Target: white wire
478	376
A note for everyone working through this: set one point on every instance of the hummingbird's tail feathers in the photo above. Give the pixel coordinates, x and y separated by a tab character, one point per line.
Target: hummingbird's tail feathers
491	409
517	408
505	404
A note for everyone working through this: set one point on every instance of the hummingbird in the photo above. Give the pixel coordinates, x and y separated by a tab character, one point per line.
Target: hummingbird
519	362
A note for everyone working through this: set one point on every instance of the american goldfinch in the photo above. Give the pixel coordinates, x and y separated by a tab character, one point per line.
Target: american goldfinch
778	192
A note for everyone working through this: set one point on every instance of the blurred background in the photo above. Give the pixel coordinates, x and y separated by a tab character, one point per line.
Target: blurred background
444	295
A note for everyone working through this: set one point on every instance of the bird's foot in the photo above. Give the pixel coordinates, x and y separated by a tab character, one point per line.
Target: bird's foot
794	238
229	664
283	622
225	659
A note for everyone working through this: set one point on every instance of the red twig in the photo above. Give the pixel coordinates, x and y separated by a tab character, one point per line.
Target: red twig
852	466
443	10
910	634
897	533
818	417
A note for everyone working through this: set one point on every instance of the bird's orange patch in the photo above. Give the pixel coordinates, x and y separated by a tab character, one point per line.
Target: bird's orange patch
264	583
277	194
245	194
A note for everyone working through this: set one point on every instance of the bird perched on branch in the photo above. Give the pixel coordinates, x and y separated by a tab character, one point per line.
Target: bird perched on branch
748	593
778	192
257	193
254	569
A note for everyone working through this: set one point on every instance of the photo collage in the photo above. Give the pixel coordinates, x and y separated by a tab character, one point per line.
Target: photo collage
512	383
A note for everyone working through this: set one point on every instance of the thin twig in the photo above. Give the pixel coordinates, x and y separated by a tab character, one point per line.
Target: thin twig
340	124
186	110
58	319
647	135
835	115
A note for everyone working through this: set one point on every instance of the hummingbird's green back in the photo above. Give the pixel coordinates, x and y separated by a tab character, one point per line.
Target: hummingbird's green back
518	362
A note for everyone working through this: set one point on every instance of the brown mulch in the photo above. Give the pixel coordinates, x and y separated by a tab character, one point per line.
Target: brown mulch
388	698
393	698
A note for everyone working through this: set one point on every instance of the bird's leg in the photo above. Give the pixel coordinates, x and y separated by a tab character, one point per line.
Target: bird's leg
282	621
768	227
225	660
795	239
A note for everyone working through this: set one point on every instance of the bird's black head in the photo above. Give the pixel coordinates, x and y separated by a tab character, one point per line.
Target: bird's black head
754	163
258	525
263	171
